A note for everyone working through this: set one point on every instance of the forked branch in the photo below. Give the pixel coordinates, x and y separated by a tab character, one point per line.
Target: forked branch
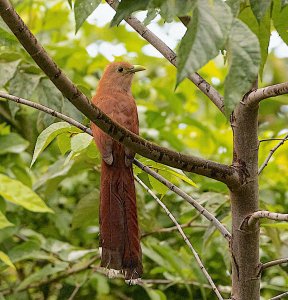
206	274
272	151
194	164
171	56
146	169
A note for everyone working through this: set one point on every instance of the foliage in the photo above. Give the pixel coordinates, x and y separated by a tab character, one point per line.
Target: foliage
36	247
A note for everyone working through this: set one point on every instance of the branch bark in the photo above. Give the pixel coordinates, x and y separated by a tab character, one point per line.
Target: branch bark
267	92
146	169
171	56
244	202
194	164
253	218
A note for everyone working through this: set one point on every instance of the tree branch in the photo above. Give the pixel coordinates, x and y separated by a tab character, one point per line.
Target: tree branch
171	186
206	274
194	164
274	263
267	92
281	296
252	220
265	163
188	198
170	55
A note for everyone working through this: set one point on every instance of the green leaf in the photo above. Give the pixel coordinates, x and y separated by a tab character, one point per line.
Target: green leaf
4	222
170	9
244	57
180	175
47	94
64	142
27	250
22	85
155	294
280	17
159	187
48	270
6	36
18	193
86	211
5	258
234	6
12	143
259	8
82	10
126	8
48	135
7	71
261	29
80	142
205	36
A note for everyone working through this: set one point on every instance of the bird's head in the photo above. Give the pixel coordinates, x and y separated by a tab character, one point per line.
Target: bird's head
118	75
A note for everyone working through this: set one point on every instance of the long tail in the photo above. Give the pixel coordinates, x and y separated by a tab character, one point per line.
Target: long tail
119	232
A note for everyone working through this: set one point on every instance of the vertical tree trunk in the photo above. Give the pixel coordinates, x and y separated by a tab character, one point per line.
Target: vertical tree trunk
244	201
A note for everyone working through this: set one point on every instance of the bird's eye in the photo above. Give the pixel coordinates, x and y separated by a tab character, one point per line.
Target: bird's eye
120	69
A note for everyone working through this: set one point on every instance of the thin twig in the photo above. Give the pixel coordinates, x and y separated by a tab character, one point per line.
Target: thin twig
188	198
273	139
75	291
281	296
217	171
274	263
173	228
146	169
47	110
223	289
272	151
206	274
170	55
267	215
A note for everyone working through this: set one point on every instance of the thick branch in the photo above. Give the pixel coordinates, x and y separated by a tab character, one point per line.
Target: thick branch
197	165
198	260
171	186
267	215
274	263
170	55
265	163
267	92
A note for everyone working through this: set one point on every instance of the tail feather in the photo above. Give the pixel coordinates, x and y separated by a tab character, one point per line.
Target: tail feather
119	232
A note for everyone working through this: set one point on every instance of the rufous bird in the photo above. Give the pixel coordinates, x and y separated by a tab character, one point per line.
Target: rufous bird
119	231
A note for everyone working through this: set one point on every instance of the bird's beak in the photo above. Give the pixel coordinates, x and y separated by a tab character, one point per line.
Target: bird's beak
137	68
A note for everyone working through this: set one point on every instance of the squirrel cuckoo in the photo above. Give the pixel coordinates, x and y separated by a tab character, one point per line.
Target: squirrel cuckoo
119	232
